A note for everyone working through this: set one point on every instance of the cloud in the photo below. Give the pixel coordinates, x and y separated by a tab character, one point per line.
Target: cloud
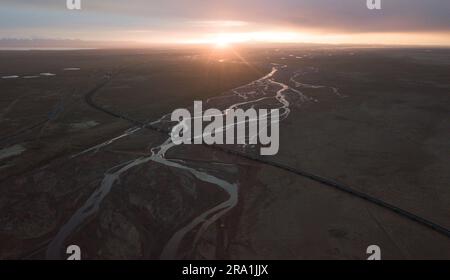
46	17
217	23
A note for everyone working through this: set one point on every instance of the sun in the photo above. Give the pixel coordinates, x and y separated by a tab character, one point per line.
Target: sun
226	40
222	43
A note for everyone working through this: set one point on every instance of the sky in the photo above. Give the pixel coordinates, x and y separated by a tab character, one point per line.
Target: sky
424	22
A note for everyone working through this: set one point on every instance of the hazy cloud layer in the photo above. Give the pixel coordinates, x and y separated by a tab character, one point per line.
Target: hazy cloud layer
50	17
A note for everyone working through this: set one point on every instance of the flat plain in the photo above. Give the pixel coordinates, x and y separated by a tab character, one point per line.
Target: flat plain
81	161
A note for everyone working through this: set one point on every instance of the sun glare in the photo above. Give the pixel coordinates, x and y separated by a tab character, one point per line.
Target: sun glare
222	44
225	40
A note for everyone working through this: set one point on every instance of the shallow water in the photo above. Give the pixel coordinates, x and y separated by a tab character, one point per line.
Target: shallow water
84	125
11	151
47	74
10	77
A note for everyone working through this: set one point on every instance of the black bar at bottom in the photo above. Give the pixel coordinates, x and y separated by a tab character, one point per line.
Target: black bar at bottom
223	269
